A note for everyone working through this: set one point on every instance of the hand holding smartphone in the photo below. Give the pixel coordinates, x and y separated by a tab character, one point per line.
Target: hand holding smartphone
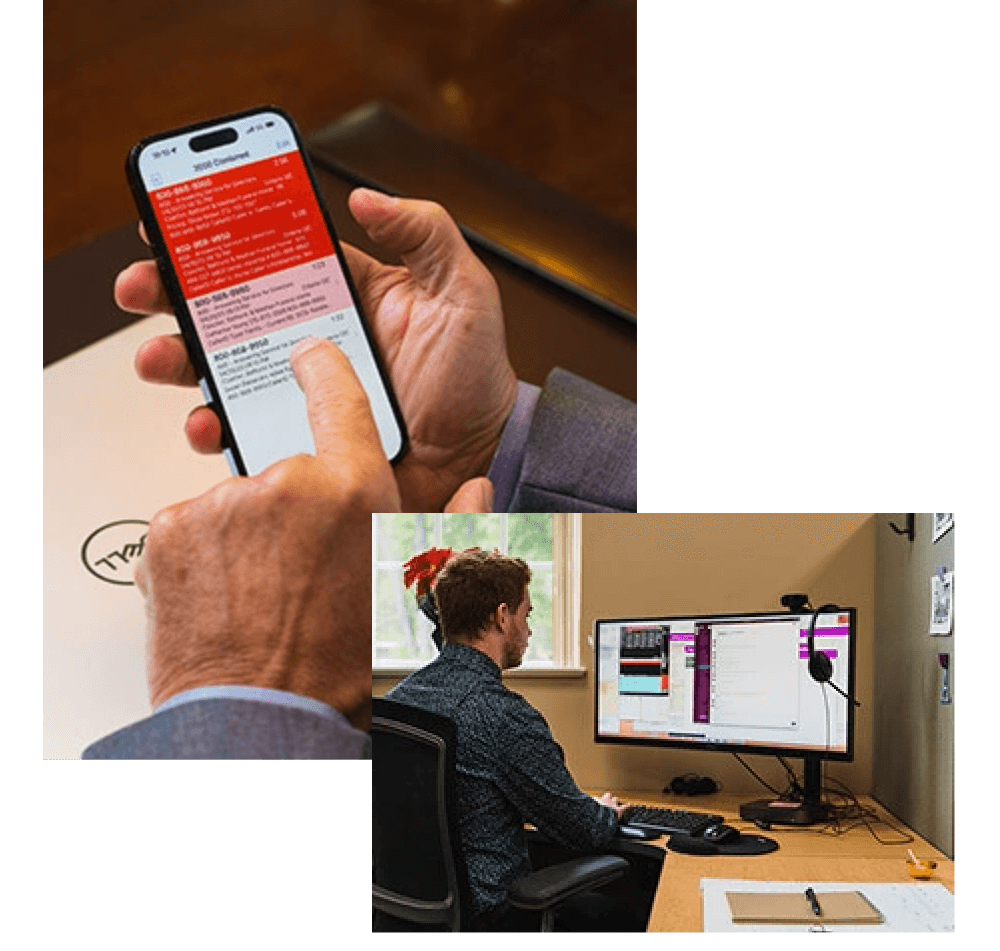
251	263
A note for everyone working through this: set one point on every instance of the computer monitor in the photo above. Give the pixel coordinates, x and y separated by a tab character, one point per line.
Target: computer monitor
733	683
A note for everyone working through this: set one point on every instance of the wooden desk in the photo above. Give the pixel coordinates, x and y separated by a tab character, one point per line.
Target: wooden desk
805	854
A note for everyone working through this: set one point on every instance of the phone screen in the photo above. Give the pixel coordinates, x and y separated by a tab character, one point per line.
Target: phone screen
258	271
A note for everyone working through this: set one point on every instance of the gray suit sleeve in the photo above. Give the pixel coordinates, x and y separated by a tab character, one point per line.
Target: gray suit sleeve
234	729
581	450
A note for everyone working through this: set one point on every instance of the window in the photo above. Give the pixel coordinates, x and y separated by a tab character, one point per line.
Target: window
548	543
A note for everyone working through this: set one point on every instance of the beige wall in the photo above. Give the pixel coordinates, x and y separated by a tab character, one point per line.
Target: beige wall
671	564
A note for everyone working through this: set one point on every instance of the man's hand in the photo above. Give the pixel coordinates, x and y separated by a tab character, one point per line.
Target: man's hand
614	802
265	581
438	324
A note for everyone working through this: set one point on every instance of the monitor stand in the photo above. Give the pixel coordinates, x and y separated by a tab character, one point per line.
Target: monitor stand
807	811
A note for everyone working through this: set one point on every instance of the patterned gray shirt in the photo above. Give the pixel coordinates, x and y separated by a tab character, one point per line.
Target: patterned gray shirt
510	771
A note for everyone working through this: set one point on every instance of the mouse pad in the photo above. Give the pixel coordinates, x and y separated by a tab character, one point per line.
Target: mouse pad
746	844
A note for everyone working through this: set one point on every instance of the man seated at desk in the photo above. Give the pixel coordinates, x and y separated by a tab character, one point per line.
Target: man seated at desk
510	769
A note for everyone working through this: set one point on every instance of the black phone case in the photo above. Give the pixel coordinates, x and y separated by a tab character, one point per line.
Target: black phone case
173	288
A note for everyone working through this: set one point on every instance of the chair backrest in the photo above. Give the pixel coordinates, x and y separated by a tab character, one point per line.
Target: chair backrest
419	873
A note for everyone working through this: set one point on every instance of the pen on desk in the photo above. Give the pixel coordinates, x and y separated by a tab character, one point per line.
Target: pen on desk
811	895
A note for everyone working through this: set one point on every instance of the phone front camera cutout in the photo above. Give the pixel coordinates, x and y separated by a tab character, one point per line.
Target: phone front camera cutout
212	140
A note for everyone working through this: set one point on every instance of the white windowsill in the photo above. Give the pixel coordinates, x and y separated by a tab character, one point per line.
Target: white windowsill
517	673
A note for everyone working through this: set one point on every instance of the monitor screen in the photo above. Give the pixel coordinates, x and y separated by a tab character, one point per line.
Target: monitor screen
730	682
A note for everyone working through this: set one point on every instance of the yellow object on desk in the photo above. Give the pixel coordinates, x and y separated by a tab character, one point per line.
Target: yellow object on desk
921	868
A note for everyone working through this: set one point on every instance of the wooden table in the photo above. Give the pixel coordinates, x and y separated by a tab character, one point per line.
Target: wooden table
806	854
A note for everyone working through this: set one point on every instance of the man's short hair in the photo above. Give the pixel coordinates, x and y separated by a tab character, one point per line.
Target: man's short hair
471	587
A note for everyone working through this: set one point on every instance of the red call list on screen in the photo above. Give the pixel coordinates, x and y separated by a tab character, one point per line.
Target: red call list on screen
243	223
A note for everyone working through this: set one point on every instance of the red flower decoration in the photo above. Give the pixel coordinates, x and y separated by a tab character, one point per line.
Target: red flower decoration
424	568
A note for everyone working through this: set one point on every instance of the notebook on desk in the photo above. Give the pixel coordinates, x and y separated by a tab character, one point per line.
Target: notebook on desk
901	906
838	908
114	453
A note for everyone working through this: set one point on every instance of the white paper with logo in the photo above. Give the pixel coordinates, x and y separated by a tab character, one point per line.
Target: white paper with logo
114	454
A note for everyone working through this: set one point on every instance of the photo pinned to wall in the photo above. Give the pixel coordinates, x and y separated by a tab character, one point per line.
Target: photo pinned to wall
943	523
942	602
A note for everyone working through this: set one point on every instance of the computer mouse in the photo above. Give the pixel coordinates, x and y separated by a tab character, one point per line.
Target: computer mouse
719	834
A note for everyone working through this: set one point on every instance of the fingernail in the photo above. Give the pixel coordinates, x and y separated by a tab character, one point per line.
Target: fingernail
378	196
304	346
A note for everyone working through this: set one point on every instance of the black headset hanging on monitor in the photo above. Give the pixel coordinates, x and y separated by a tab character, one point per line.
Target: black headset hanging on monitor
820	665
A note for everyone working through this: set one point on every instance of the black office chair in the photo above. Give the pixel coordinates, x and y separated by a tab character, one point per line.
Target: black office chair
418	870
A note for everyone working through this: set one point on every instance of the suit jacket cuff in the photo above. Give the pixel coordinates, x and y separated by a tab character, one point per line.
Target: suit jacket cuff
505	469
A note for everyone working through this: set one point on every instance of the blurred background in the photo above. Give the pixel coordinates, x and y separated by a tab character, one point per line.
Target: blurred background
544	86
544	90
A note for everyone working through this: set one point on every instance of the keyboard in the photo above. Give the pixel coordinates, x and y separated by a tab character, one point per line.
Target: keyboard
667	821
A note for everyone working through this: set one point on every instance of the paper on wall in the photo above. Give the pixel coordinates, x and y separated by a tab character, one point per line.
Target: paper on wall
942	602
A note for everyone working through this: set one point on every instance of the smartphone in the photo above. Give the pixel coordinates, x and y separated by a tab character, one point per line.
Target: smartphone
251	263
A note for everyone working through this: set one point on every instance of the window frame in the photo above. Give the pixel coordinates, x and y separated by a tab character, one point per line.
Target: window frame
566	597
